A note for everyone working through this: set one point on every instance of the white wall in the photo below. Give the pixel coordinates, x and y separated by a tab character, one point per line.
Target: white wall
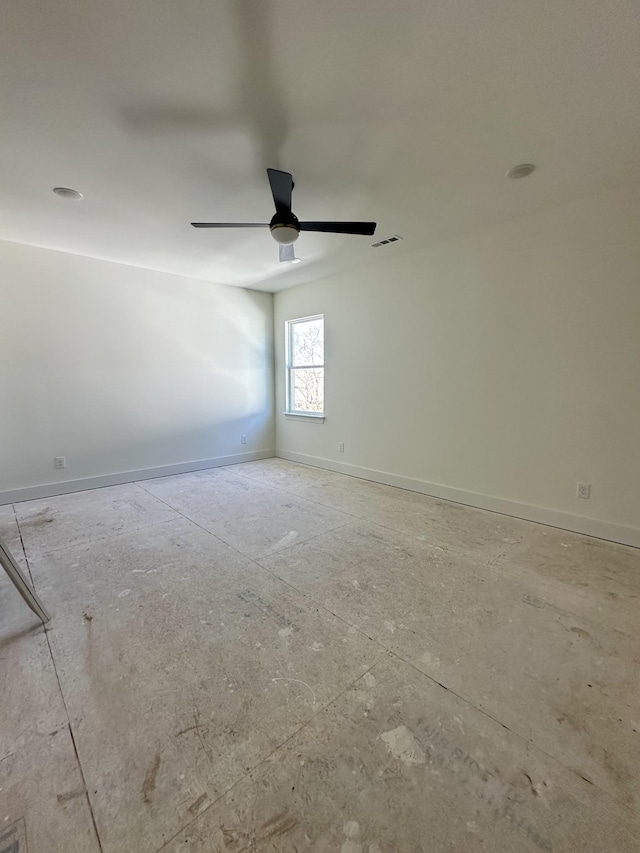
121	369
498	369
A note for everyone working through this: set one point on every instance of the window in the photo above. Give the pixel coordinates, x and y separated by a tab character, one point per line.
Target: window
305	366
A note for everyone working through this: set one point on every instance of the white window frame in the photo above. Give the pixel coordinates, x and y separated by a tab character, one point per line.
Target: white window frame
290	369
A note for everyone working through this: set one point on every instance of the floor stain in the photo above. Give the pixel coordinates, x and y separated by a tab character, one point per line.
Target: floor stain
536	789
579	631
70	795
533	600
278	826
251	597
193	728
40	518
193	808
273	820
275	827
403	745
13	839
149	784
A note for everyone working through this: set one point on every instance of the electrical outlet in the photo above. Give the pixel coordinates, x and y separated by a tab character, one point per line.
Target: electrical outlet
583	490
341	447
243	439
60	462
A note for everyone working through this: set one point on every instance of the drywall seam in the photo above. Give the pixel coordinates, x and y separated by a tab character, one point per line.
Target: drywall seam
551	517
48	490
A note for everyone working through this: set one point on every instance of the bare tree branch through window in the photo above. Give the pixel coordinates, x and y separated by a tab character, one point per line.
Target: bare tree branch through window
305	367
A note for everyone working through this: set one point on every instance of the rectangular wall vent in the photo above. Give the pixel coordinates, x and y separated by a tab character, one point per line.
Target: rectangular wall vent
393	239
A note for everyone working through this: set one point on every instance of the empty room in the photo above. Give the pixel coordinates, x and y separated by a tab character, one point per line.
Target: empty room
319	426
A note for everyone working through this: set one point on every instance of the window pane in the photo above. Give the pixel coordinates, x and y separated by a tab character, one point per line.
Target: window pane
308	389
307	342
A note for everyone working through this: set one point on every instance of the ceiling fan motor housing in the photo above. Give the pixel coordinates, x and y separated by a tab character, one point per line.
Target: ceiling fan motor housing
285	228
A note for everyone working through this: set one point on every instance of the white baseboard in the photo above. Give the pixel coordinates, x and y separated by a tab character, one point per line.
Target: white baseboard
48	490
553	518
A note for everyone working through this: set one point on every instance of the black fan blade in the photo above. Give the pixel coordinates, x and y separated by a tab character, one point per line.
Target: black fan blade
367	228
281	188
230	224
287	253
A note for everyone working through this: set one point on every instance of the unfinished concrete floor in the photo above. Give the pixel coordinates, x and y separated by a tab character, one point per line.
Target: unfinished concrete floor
271	657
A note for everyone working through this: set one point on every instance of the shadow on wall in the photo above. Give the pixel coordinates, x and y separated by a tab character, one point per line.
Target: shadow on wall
209	442
119	455
142	370
241	330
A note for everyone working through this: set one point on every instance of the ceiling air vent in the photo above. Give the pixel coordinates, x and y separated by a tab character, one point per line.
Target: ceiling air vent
393	239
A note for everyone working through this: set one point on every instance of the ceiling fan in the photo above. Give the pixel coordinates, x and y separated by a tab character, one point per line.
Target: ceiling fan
285	226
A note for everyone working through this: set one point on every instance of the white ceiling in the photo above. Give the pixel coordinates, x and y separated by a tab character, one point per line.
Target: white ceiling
163	112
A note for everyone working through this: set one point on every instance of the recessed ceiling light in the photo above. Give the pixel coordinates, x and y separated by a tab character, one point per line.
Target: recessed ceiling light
65	192
295	261
521	171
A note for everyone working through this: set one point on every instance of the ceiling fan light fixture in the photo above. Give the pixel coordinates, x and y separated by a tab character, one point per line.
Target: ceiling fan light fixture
66	192
284	234
522	170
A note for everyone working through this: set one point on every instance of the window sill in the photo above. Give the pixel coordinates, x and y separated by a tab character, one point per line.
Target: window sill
304	416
